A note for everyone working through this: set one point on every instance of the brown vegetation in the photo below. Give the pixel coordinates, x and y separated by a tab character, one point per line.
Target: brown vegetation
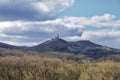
35	68
42	68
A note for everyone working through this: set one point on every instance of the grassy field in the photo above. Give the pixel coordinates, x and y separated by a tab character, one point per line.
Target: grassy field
36	68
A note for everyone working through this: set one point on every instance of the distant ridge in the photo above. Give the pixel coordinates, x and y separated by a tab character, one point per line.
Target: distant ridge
85	47
57	44
9	46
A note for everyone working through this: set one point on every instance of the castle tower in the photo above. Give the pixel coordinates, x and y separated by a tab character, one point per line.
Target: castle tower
57	37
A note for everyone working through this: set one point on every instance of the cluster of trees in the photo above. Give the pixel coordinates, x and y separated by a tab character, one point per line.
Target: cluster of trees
49	68
80	58
115	58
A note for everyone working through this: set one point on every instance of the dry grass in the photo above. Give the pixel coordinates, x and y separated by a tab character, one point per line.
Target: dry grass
36	68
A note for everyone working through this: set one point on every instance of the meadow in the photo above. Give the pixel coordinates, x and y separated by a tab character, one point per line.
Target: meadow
44	68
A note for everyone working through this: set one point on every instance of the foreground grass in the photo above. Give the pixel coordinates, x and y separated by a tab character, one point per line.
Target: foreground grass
100	71
36	68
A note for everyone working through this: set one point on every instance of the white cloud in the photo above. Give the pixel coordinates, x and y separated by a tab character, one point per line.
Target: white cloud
101	30
105	17
31	32
106	20
54	6
109	38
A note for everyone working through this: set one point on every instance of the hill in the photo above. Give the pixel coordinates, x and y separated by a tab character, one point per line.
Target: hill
82	47
52	45
8	46
85	47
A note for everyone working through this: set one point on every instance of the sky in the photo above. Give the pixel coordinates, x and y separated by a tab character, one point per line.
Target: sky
31	22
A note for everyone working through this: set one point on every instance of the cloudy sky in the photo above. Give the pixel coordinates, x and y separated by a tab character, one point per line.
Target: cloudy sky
30	22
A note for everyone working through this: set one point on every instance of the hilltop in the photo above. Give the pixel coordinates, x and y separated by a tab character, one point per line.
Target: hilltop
85	47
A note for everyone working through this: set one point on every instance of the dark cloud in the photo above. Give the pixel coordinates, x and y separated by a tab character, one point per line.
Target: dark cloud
40	31
31	9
